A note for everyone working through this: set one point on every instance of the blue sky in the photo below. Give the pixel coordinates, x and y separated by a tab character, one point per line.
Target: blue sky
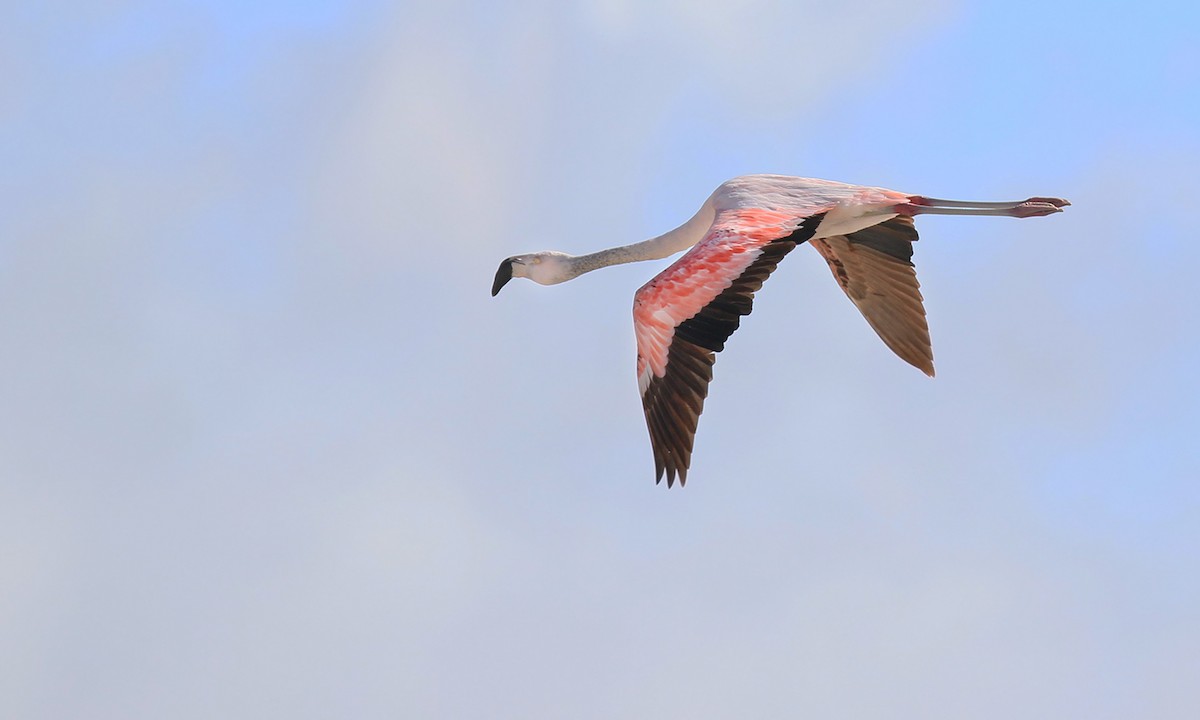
268	447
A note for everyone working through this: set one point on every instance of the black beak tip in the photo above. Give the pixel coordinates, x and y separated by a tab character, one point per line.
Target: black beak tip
503	275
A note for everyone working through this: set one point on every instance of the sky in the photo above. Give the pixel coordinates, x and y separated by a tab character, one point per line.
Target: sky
268	448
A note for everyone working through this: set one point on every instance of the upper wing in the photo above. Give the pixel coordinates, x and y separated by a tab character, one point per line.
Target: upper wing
874	267
683	317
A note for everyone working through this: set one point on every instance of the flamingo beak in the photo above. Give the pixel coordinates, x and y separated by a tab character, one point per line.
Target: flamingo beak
503	275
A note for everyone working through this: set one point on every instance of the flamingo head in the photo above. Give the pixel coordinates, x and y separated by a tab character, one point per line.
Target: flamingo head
544	268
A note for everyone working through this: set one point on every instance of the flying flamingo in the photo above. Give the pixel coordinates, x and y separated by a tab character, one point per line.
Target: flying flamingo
683	316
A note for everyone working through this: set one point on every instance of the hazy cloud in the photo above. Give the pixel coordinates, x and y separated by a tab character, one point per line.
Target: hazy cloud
268	447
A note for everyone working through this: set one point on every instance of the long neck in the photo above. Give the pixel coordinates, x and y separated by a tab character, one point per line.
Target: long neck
669	243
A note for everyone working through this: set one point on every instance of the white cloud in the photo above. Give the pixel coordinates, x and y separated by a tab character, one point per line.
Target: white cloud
784	57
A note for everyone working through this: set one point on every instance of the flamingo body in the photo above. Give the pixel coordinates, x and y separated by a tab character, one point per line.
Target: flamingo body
686	313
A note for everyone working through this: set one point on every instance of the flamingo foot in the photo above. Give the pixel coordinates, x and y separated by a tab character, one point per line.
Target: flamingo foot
1033	207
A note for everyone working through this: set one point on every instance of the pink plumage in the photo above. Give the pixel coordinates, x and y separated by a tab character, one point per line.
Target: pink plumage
685	314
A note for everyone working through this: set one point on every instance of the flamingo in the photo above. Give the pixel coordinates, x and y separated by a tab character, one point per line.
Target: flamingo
686	313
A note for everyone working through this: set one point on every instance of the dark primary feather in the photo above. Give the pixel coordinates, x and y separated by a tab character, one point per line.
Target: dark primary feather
874	267
673	403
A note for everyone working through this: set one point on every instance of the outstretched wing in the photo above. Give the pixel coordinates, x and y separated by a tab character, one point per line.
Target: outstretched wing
874	267
683	317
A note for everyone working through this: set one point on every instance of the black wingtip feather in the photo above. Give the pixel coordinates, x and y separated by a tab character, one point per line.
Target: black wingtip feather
673	402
